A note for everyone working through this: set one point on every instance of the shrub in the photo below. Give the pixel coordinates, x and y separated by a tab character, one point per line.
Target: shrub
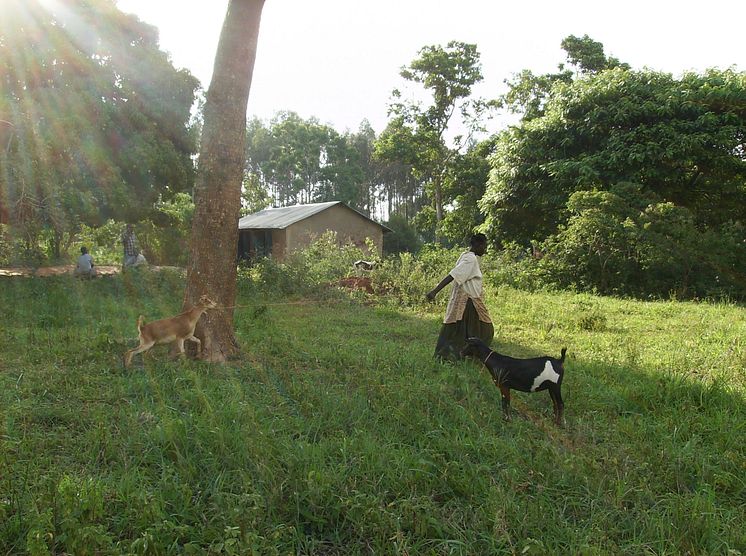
303	272
407	277
620	243
403	236
102	242
513	266
593	321
6	245
403	278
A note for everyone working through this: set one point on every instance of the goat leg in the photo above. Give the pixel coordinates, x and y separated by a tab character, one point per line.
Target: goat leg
139	349
505	391
559	406
180	347
199	344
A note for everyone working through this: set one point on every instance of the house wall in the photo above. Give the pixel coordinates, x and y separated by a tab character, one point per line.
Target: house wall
279	243
349	225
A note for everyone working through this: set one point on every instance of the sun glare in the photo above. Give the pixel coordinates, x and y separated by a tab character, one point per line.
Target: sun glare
50	5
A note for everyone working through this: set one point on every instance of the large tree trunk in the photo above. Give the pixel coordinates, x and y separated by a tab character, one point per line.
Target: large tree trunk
217	196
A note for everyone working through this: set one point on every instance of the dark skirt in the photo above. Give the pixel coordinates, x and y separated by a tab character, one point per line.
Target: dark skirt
453	336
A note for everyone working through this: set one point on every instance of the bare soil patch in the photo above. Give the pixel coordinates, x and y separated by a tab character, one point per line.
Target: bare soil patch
68	269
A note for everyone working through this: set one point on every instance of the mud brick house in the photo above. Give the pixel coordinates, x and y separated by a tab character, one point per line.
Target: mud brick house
279	231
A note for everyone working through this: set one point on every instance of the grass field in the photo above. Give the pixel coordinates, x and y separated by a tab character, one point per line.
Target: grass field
337	433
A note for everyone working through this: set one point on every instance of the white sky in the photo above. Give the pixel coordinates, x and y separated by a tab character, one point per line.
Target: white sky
338	60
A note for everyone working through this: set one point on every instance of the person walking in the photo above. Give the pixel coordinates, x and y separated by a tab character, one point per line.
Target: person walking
466	315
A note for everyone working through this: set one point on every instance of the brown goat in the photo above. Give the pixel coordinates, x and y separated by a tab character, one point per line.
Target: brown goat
176	329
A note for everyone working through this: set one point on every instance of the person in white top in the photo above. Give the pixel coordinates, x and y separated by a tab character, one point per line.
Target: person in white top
467	315
85	267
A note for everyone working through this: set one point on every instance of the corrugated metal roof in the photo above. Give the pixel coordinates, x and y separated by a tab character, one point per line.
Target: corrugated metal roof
282	217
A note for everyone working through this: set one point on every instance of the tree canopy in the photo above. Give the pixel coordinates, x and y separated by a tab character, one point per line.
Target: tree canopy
628	181
296	161
98	118
608	166
681	139
416	137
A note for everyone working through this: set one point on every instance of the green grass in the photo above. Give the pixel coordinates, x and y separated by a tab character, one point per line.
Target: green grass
337	433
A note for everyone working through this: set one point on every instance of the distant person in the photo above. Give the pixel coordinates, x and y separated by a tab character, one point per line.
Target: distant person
132	255
85	267
466	315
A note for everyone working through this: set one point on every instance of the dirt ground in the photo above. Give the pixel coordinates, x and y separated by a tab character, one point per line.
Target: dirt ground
68	269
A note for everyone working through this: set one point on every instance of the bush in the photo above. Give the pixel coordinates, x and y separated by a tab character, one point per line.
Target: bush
103	242
164	243
403	236
165	240
305	271
407	277
403	278
6	245
15	251
619	243
679	259
513	266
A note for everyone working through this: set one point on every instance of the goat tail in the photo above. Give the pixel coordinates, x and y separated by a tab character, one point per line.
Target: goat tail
140	321
562	357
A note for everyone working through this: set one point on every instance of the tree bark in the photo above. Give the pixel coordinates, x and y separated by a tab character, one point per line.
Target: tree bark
438	194
212	262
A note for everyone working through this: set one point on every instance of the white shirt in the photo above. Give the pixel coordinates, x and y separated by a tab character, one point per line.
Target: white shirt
468	275
85	262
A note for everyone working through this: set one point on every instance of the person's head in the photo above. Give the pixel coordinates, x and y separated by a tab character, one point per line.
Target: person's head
84	250
479	244
129	228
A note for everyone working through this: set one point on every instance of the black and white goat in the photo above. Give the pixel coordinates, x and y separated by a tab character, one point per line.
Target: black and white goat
526	375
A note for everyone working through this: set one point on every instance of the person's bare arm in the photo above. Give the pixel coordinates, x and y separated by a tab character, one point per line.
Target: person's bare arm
443	283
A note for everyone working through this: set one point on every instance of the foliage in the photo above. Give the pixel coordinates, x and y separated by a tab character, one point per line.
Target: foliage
528	93
394	151
632	182
287	156
349	172
406	277
338	433
588	56
171	231
164	240
293	161
18	251
254	196
464	186
6	246
415	138
101	122
103	242
680	139
621	242
402	237
305	271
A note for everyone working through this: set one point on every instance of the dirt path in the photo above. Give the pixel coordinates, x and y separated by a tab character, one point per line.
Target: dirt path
68	269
